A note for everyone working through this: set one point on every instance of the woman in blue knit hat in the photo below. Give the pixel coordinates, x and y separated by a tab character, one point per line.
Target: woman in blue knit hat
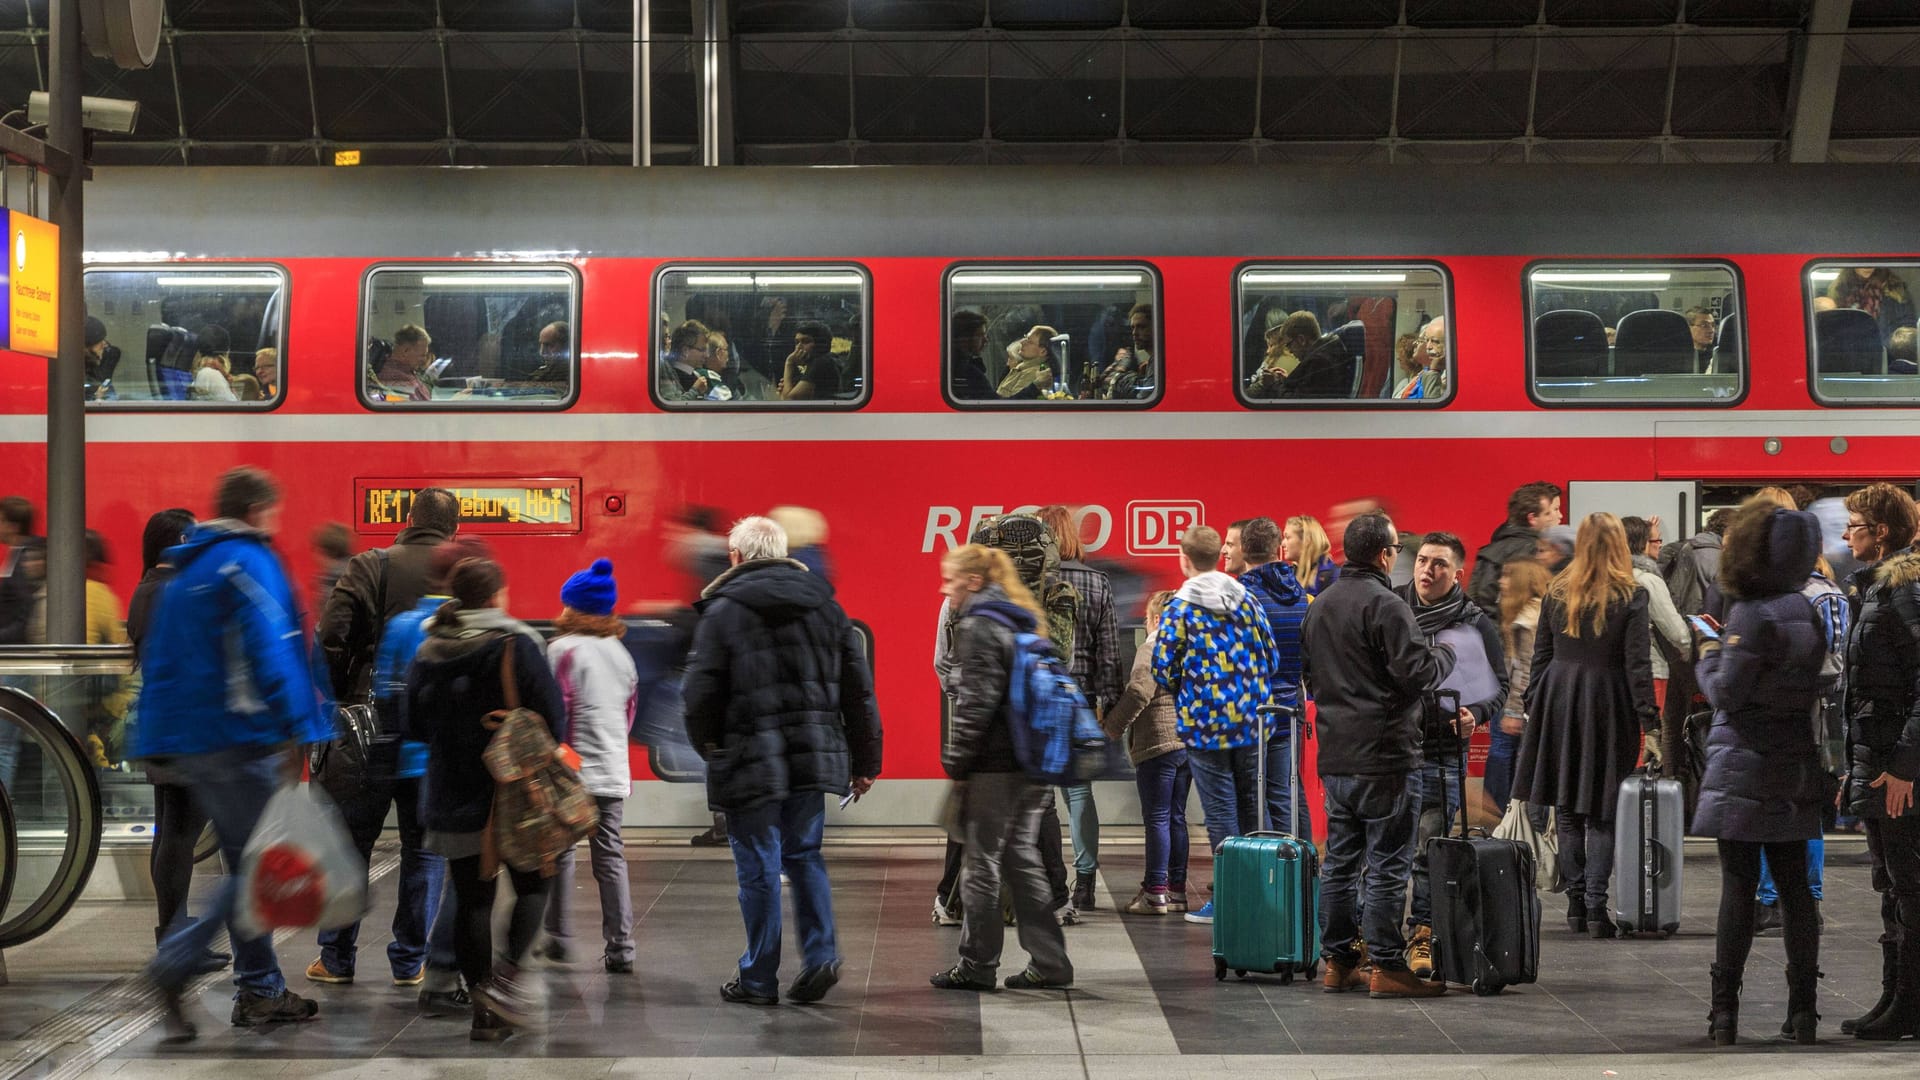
598	680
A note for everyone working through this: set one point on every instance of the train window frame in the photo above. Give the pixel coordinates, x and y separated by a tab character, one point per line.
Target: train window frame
365	321
1156	285
1630	265
770	267
1237	286
253	266
1808	295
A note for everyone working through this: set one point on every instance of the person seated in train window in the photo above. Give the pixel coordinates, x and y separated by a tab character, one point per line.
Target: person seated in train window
1433	342
1877	291
556	354
720	358
212	376
967	378
1121	381
404	377
102	357
1031	372
1705	329
1901	352
810	373
1287	341
266	369
1410	362
686	374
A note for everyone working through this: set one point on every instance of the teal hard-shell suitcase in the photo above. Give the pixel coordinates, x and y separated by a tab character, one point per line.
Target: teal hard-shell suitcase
1266	894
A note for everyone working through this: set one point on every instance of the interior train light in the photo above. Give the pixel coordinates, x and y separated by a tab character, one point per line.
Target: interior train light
720	279
1321	278
495	279
1593	278
214	281
1824	275
775	280
1048	279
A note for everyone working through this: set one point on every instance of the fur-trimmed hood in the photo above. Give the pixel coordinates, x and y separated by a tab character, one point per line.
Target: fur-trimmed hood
1900	570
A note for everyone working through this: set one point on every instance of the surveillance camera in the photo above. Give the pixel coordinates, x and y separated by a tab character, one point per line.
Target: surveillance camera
96	113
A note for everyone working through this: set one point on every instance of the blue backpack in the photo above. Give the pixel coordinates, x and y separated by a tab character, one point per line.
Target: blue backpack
1056	738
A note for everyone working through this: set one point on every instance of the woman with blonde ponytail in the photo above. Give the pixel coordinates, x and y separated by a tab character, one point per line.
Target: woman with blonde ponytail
1001	806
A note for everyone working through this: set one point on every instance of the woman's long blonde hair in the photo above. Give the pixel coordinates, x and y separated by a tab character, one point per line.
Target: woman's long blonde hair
1314	546
1525	582
1601	572
995	568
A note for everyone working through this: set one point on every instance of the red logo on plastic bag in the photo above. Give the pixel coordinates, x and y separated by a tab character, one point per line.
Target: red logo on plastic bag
289	888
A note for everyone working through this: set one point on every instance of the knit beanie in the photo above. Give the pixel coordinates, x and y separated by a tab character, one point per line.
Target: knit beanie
591	591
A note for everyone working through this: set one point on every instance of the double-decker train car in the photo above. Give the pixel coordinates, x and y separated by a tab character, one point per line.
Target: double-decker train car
906	351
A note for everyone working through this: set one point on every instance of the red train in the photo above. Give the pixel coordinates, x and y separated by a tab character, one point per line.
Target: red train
552	394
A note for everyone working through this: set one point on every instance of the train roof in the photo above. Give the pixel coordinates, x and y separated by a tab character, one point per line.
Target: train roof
999	212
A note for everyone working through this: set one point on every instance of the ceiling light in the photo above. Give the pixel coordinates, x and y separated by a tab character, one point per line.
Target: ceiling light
549	280
214	281
1600	278
1824	275
773	280
1048	278
1322	278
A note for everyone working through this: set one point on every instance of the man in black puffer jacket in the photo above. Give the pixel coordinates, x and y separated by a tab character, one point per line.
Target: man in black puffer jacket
779	701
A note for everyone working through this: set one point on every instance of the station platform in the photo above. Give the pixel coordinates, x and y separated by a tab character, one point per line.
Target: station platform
1146	1003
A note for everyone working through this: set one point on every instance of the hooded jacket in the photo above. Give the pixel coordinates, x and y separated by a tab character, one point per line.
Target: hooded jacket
978	669
1764	780
1883	681
1367	668
1145	713
354	614
1282	600
1690	569
1667	624
779	697
223	659
1509	542
1215	652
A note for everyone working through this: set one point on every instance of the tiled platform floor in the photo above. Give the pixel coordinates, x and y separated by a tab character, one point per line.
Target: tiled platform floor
1146	1002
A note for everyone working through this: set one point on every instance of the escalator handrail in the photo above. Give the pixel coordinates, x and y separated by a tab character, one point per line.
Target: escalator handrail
9	849
81	789
66	660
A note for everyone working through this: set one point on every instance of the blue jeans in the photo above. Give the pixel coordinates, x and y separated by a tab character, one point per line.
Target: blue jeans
1164	782
1227	780
1502	748
1769	895
233	787
1370	825
1437	782
363	799
767	839
1083	819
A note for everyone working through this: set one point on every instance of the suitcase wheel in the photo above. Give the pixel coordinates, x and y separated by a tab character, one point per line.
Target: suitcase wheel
1483	988
1313	971
1219	969
1239	973
1286	977
1669	930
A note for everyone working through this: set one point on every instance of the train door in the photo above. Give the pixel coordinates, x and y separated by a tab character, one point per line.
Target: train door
1675	502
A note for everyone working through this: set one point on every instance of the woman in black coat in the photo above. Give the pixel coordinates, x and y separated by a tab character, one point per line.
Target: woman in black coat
1764	786
1590	700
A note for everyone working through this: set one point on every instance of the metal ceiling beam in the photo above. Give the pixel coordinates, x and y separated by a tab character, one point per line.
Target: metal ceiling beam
715	81
1818	54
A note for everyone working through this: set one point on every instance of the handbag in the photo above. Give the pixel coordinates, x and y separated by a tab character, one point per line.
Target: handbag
356	727
540	807
1518	827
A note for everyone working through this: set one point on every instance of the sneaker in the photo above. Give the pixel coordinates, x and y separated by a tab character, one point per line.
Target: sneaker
555	952
414	978
252	1010
1147	902
1176	901
955	979
1067	916
1083	892
1401	983
1033	980
1766	919
813	983
710	838
513	995
319	972
1420	952
944	915
437	1003
733	991
619	965
488	1026
1204	916
177	1029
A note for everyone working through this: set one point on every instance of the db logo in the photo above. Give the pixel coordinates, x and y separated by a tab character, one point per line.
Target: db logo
1155	526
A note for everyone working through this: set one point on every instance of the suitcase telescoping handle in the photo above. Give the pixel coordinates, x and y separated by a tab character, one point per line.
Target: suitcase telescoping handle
1448	701
1294	758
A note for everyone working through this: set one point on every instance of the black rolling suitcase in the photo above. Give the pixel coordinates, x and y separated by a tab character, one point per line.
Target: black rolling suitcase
1486	909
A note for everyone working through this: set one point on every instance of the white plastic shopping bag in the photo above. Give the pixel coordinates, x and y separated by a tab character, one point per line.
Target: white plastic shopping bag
299	867
1518	827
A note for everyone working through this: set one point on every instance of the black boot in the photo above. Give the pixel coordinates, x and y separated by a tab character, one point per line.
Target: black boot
1083	892
1723	1023
1577	914
1901	1020
1803	987
1766	919
1889	978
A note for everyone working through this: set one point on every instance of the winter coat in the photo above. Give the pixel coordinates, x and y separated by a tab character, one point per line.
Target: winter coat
399	641
979	667
1284	603
1367	669
1145	714
1096	662
779	696
1509	542
1589	700
224	659
1520	660
600	686
1690	570
1667	625
1215	653
1440	744
455	681
146	596
16	596
1763	781
353	615
1883	681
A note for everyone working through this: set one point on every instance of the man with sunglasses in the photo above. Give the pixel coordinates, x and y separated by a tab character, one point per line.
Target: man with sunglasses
1368	667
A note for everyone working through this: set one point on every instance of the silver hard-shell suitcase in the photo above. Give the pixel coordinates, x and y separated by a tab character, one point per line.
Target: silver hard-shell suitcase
1649	826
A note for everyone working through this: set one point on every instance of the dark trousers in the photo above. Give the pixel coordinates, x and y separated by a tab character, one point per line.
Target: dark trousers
1052	855
364	796
1000	820
948	890
1370	826
1440	796
177	824
1894	846
1739	874
473	943
1586	856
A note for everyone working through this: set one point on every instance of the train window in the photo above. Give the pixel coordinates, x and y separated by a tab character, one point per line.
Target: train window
469	336
1862	345
208	335
765	336
1023	335
1311	333
1640	333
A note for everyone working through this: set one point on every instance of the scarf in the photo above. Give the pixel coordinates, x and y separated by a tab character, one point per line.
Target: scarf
1450	609
466	623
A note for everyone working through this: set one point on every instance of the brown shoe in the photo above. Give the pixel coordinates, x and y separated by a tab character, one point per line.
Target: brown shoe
1402	984
1340	978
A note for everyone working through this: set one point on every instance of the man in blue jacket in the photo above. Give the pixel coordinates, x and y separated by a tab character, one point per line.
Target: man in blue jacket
1275	588
228	705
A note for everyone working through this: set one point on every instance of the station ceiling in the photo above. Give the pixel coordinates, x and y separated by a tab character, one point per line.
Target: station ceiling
1121	82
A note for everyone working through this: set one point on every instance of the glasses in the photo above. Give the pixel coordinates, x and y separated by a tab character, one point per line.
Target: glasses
1855	526
1396	548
